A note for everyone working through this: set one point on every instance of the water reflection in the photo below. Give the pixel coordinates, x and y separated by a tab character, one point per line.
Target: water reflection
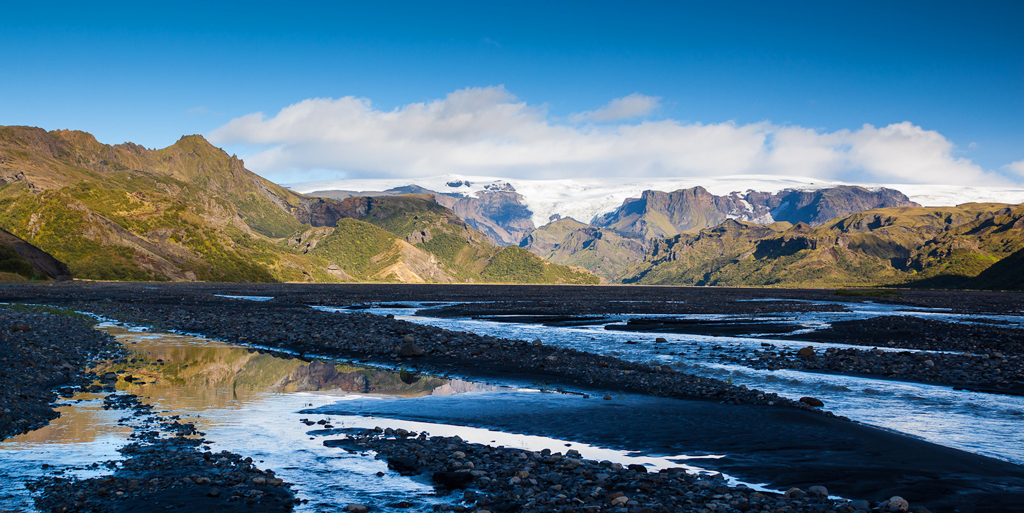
244	401
194	372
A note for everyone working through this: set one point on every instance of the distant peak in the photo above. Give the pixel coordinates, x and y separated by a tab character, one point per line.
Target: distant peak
193	139
196	142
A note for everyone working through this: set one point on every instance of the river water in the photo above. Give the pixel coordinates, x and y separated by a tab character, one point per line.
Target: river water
988	424
252	403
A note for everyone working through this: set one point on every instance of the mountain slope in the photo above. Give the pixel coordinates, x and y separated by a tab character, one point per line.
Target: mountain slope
458	252
126	212
21	260
192	212
819	206
659	214
496	210
602	251
928	246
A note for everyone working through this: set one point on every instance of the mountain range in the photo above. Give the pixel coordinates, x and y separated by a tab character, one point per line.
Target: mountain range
192	212
813	236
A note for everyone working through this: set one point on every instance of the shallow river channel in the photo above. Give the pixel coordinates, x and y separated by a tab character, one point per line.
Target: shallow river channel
253	403
982	423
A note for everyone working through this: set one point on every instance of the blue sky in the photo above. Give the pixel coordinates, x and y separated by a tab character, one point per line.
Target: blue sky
150	72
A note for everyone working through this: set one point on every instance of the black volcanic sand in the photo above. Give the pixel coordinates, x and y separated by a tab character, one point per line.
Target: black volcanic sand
43	353
782	447
784	443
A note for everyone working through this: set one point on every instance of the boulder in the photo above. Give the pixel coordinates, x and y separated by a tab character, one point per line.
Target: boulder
403	465
410	350
860	505
451	479
894	504
817	491
806	351
811	401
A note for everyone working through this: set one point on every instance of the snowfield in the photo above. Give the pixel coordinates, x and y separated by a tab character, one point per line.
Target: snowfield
582	199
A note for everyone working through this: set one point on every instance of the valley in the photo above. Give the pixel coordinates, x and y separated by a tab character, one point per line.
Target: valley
268	388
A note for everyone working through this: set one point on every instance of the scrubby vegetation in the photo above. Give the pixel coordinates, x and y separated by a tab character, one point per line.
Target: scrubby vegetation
12	264
513	264
951	247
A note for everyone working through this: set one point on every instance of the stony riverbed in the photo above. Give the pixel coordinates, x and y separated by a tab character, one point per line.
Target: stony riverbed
62	346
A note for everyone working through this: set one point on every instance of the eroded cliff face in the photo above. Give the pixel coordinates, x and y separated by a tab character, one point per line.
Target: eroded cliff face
659	214
500	214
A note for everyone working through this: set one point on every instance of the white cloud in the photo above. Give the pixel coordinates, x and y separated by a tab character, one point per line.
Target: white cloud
488	131
1016	168
633	106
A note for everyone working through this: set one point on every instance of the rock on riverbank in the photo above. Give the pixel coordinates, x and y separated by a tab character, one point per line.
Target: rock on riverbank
165	469
501	479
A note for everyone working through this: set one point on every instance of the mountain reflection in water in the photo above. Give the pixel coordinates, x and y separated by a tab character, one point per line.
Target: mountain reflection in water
192	372
245	401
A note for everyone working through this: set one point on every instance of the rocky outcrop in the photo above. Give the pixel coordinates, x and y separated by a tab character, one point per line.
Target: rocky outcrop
820	206
659	214
500	214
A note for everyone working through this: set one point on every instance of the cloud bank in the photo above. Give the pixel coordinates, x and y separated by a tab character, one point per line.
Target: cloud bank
488	131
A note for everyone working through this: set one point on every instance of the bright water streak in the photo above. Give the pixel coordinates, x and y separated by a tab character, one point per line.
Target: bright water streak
988	424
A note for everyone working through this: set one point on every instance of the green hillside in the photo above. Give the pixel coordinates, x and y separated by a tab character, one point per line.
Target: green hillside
192	212
602	251
908	246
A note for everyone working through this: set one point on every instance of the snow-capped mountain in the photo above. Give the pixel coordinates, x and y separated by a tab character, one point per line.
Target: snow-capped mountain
583	199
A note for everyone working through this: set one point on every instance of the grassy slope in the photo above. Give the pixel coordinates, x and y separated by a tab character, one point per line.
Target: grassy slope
893	246
464	253
13	267
361	249
171	212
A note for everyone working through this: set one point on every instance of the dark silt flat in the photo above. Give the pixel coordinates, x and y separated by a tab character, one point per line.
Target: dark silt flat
781	447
